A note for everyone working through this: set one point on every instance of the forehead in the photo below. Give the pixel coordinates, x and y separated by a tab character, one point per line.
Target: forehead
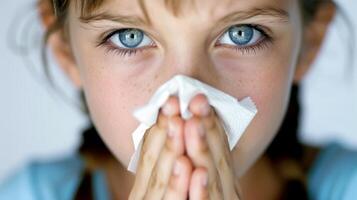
175	7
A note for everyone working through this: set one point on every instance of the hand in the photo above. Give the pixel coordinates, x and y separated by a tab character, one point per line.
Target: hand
163	171
207	147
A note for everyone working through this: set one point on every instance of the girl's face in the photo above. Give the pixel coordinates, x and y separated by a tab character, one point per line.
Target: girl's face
244	48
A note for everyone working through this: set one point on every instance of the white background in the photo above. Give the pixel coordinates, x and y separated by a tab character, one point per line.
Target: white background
329	91
35	123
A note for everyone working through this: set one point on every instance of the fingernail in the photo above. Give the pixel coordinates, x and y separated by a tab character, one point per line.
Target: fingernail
204	180
177	169
205	109
167	109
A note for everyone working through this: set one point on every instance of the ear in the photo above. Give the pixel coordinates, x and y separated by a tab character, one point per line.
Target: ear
59	44
63	54
314	34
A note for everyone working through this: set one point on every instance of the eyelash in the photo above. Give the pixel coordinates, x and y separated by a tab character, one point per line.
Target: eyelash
122	52
261	45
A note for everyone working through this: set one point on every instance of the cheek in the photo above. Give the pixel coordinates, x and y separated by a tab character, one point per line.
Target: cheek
271	98
111	100
270	90
110	105
113	91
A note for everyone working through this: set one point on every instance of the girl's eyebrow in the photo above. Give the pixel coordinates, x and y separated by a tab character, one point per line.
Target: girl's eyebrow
279	14
123	19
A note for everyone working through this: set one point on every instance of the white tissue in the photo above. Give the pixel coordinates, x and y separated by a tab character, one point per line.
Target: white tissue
234	115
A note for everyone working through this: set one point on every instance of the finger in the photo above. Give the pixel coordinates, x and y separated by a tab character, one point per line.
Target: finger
198	184
217	143
171	107
200	154
199	105
172	149
179	180
153	142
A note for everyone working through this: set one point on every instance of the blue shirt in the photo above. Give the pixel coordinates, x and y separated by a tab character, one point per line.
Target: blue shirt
58	180
334	175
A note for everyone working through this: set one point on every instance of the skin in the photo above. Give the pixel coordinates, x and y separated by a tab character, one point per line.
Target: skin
115	86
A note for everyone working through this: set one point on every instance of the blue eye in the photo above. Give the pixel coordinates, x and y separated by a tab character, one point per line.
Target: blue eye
130	38
241	35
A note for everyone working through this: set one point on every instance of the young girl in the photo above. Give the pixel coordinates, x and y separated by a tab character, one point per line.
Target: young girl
119	52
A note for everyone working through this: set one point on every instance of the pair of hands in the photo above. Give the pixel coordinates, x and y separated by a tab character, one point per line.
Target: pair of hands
185	159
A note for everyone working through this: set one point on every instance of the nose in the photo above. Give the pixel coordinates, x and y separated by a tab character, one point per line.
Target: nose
190	60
